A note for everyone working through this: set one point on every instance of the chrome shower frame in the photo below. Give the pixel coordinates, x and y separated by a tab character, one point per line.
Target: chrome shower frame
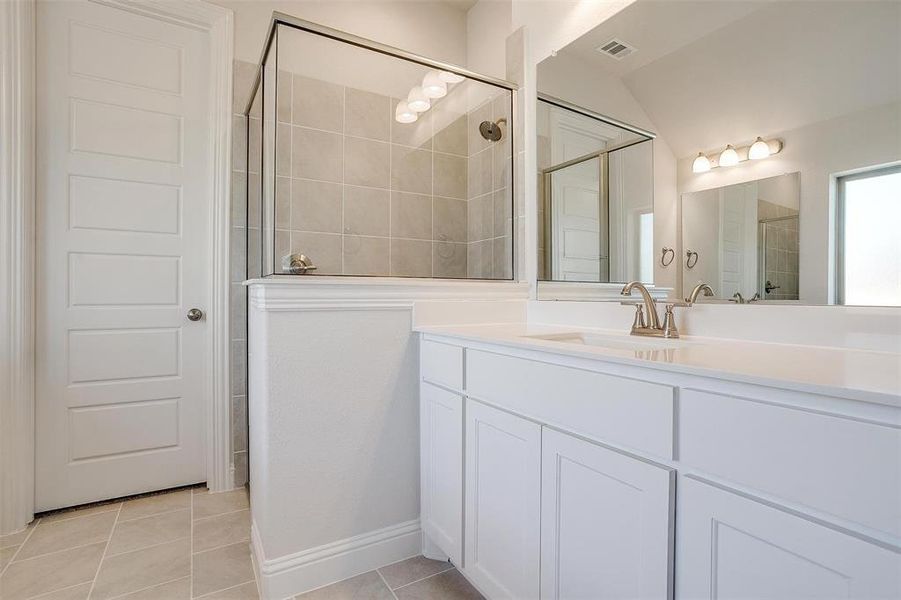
281	19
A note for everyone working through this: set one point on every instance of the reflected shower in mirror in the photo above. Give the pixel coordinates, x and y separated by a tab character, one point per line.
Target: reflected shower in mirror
744	95
742	239
596	206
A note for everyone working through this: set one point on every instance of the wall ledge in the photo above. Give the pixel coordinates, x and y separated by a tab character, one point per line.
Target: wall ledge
289	293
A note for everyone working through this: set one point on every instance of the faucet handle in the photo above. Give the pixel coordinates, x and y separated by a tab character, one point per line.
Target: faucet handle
669	320
639	322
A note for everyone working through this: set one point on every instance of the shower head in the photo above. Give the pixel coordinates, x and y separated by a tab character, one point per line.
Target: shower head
491	130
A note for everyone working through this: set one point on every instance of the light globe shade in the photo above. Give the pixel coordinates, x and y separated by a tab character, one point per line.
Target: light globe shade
701	164
728	157
432	86
417	100
759	149
404	114
448	77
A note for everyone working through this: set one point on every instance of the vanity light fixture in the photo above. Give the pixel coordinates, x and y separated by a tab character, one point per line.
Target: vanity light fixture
404	114
433	86
701	164
448	77
417	100
759	149
728	157
732	156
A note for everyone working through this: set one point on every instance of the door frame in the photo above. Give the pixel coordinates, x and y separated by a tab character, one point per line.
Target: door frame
17	230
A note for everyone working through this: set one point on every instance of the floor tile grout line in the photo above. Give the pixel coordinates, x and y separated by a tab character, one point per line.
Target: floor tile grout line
159	514
450	566
382	577
208	594
147	547
45	554
12	559
105	548
144	589
45	594
77	516
204	551
231	512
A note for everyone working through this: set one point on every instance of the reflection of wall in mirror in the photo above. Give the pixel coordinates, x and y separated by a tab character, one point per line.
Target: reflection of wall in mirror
818	151
568	77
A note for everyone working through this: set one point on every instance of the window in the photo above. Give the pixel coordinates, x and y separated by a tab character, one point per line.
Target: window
868	238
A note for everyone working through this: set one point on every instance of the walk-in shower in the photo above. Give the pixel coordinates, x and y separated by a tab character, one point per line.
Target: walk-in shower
368	160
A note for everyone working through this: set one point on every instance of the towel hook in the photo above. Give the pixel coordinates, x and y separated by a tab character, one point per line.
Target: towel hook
691	254
664	252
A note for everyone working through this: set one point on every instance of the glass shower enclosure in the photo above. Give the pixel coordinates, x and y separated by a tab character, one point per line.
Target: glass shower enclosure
367	160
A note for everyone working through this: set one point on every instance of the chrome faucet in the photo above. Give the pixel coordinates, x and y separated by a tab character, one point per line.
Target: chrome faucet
653	327
701	287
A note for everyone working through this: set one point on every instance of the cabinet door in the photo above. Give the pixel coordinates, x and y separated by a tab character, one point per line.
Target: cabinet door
503	481
441	464
606	523
730	547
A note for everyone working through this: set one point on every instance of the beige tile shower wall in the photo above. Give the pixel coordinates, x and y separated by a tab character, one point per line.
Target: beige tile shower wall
243	78
360	193
489	194
782	249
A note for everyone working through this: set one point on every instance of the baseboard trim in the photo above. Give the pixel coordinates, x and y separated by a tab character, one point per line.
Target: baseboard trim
300	572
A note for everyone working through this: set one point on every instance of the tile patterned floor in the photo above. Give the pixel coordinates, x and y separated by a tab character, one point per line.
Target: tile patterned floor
416	578
177	546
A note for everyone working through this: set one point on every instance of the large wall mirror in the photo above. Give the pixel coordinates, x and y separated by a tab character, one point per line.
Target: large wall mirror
752	146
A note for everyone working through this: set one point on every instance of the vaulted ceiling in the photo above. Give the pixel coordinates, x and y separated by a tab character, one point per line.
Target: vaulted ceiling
711	73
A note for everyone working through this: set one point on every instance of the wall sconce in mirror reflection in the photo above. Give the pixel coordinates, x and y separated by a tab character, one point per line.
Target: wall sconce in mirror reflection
732	156
434	86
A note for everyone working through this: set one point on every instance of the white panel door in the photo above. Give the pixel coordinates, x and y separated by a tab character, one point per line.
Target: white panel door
123	213
606	523
731	548
503	493
441	456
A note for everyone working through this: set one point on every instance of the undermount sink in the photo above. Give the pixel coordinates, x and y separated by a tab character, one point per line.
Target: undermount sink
616	342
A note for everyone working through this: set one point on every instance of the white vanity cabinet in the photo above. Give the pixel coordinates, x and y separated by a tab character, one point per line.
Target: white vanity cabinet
441	464
606	522
503	494
570	478
730	546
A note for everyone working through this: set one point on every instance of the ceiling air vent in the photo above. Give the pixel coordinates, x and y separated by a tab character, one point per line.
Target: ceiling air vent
618	49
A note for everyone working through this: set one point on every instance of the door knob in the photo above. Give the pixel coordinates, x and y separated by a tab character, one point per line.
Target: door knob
195	314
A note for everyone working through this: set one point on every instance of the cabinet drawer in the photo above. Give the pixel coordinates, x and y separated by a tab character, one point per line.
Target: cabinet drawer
842	466
442	364
635	414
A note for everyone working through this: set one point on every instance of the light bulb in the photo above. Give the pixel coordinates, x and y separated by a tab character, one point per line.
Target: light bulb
448	77
417	100
701	164
404	114
432	86
758	150
728	157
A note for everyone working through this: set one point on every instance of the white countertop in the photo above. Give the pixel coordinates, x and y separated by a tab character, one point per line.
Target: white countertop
855	374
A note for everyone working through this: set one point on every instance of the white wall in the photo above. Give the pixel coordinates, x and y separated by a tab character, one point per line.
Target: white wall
569	78
488	24
433	29
553	24
818	152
